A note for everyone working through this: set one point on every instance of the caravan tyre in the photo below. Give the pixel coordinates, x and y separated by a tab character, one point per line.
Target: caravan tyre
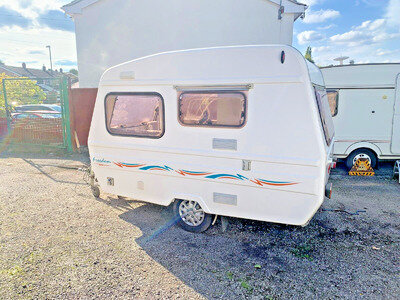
95	191
191	216
361	153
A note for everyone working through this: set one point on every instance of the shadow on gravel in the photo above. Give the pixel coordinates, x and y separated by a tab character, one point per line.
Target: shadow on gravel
41	167
47	163
40	155
336	255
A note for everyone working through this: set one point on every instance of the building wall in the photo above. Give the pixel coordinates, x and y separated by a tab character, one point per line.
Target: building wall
110	32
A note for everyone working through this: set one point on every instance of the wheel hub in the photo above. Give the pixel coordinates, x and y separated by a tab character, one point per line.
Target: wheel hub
191	213
361	155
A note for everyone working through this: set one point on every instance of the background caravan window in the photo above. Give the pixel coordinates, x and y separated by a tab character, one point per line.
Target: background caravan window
212	108
135	114
333	99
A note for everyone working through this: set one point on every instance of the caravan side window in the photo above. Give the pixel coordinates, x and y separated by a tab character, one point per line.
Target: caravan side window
135	114
324	111
212	108
333	99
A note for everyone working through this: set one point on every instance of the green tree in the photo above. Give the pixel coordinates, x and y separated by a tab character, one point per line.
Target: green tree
20	92
74	71
308	54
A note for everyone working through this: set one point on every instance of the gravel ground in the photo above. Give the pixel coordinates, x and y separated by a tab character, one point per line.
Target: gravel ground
57	241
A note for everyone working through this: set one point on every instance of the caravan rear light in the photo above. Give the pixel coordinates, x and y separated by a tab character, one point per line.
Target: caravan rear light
328	190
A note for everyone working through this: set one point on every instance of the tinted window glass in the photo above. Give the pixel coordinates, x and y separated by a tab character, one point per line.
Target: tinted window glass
56	108
135	114
212	108
50	116
333	99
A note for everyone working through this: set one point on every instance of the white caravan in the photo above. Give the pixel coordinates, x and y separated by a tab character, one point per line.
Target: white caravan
365	105
240	131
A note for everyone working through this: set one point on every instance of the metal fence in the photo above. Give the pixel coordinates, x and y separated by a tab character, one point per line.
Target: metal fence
37	112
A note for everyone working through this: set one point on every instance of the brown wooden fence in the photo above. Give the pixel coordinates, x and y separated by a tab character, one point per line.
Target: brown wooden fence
81	105
3	127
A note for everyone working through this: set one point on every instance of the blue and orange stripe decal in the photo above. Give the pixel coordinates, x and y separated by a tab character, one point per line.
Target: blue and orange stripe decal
156	168
227	176
121	165
203	174
263	182
192	173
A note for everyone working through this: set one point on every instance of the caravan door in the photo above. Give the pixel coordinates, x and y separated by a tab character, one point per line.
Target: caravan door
395	147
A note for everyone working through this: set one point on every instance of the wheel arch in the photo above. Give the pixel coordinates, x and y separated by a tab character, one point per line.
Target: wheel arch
192	197
364	145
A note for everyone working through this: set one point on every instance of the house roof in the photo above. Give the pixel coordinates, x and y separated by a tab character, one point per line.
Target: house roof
7	71
76	6
26	72
34	73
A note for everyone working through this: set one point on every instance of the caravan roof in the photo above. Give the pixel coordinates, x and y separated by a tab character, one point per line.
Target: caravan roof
257	63
362	75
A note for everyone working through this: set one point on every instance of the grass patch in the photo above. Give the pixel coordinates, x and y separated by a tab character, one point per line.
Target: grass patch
303	251
229	274
15	271
244	284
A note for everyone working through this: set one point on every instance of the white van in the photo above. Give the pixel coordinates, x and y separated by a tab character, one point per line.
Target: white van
365	105
241	131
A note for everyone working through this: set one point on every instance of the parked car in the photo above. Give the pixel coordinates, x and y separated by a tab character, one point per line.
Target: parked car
35	115
38	107
365	105
244	132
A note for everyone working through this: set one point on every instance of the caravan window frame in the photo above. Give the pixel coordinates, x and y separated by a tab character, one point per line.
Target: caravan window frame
162	113
242	93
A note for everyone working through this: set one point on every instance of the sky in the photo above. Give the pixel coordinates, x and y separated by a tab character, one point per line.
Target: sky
365	30
28	26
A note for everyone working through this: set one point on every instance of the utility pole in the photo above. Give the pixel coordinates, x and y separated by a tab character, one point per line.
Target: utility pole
51	63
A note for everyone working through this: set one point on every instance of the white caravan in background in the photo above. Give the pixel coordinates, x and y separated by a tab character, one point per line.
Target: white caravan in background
365	105
241	131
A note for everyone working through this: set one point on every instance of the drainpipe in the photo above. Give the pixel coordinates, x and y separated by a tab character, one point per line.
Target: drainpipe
281	10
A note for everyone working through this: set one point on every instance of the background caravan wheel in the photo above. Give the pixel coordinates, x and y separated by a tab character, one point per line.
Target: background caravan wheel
191	216
361	153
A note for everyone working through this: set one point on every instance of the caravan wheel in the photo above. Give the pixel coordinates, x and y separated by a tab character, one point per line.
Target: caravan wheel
95	191
361	153
191	216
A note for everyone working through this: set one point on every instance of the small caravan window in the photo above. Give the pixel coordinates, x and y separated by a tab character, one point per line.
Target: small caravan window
212	108
324	113
135	114
333	99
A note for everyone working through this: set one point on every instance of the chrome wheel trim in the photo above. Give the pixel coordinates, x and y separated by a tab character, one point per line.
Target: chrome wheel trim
191	213
361	155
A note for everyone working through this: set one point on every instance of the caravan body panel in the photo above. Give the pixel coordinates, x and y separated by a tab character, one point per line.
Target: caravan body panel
395	145
365	115
272	168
